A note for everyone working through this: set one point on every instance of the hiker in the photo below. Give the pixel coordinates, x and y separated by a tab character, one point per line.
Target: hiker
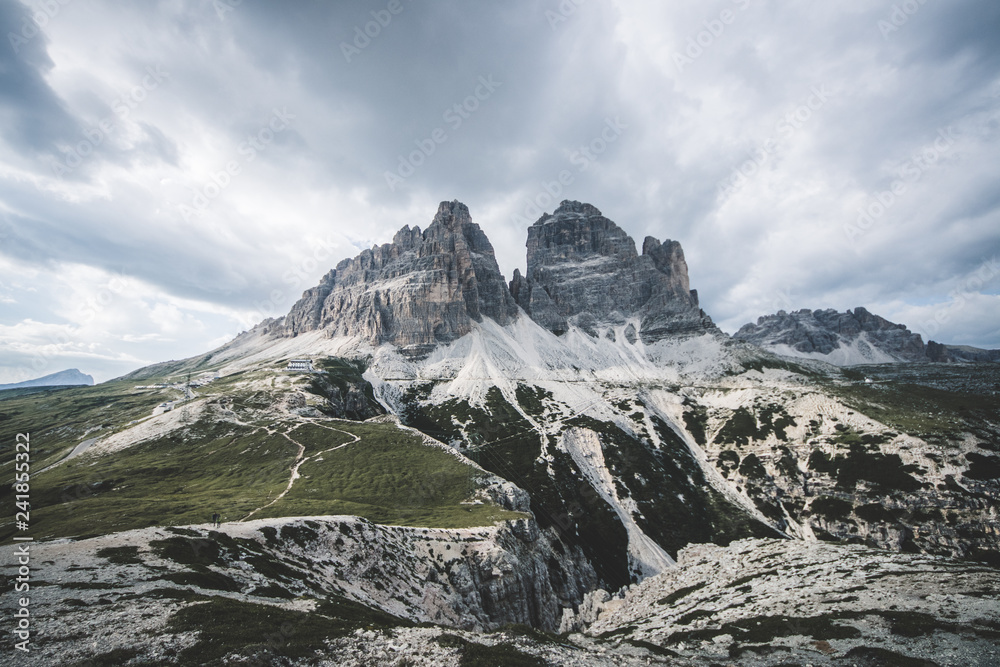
215	520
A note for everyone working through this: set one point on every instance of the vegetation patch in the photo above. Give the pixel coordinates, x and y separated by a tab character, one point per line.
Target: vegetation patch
497	437
875	513
744	426
348	394
521	630
194	551
885	471
655	649
388	477
532	399
740	429
475	654
680	593
696	421
272	591
765	629
204	578
873	656
60	418
316	437
831	508
752	468
934	413
682	507
787	464
728	460
182	478
982	467
231	627
774	419
112	658
128	555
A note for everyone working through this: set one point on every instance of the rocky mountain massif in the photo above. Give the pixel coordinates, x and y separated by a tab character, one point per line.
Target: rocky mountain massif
851	337
475	455
423	289
960	353
583	270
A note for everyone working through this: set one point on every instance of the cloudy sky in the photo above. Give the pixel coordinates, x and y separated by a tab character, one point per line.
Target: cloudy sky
172	172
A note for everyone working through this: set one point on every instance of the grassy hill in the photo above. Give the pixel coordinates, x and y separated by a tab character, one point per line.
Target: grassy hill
231	450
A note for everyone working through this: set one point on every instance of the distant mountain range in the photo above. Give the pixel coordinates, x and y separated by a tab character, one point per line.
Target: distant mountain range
68	377
851	338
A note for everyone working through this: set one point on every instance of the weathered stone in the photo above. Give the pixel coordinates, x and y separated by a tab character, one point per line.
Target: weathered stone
811	332
583	270
422	289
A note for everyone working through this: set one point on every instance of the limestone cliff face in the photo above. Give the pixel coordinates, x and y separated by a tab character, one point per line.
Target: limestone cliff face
424	288
584	270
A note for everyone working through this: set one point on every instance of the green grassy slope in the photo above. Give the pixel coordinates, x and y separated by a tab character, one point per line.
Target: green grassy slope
388	476
234	458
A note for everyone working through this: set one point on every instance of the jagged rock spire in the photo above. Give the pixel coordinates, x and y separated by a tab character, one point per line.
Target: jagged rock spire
424	288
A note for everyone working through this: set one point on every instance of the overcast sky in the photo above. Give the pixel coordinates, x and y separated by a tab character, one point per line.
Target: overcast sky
172	172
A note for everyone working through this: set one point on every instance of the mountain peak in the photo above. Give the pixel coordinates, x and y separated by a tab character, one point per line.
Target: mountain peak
583	270
70	376
568	206
852	337
424	288
451	213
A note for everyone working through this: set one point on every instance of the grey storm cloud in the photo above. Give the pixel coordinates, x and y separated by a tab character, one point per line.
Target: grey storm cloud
758	142
34	118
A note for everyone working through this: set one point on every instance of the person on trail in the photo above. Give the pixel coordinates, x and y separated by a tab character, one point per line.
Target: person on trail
215	519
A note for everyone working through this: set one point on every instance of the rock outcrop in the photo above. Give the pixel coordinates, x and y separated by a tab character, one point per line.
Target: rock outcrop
851	337
425	288
848	605
960	353
583	270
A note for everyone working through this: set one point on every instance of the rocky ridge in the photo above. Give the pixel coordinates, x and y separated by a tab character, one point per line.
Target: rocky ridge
341	591
71	376
769	602
960	353
851	337
475	579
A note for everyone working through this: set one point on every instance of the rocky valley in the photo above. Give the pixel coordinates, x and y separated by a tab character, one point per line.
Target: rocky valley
573	467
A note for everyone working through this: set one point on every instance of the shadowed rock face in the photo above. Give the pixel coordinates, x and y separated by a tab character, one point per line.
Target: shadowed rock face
584	270
424	288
